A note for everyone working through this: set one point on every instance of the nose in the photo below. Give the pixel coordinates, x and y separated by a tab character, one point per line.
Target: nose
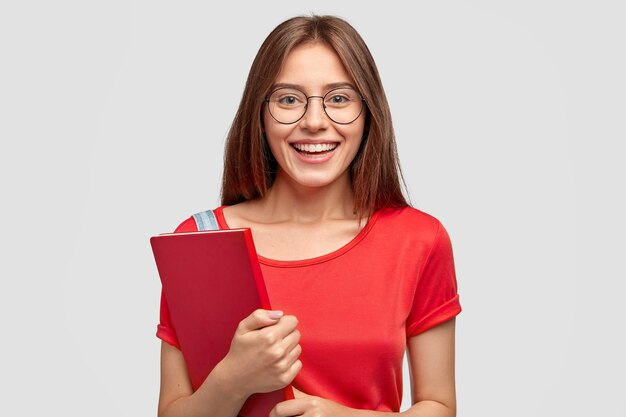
315	118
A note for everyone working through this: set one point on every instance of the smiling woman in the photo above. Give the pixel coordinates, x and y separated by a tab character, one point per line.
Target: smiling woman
359	275
316	151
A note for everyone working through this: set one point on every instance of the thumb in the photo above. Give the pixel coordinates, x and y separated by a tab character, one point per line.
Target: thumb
258	319
298	394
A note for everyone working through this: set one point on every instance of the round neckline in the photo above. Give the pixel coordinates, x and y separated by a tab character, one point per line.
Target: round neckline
221	221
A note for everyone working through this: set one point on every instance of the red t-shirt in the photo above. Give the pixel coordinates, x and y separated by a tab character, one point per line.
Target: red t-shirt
356	306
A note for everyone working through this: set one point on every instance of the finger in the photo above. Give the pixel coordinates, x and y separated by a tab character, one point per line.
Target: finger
285	325
288	408
290	359
259	319
299	394
291	374
291	340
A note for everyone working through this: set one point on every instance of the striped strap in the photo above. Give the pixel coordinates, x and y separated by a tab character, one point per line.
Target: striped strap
206	220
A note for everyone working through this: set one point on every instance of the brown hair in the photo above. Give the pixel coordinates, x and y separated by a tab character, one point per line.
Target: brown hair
250	168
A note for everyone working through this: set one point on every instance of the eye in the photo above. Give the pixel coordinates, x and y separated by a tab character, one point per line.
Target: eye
341	97
288	100
337	99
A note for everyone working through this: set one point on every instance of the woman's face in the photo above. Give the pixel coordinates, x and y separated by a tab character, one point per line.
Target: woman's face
314	151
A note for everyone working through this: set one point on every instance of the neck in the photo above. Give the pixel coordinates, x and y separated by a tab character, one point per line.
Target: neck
290	201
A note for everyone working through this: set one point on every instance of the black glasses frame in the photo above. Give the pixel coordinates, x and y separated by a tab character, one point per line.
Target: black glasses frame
306	106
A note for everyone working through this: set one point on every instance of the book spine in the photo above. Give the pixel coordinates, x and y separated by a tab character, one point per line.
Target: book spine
256	271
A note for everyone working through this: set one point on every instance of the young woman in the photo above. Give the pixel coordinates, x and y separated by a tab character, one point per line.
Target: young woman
360	276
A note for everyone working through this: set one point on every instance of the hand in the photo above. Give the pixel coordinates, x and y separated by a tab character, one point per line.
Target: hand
309	405
264	353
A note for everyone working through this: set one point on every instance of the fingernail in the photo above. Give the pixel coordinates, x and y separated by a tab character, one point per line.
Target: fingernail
275	314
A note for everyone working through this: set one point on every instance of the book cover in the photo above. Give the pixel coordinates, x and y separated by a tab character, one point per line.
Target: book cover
211	281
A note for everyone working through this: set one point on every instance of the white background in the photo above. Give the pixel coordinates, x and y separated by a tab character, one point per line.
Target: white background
510	124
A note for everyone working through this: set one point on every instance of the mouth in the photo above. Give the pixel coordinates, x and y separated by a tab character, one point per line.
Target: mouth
315	149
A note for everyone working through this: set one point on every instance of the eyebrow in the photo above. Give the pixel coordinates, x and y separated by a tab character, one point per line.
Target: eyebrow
324	87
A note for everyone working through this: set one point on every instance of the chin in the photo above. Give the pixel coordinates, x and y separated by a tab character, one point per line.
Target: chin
316	181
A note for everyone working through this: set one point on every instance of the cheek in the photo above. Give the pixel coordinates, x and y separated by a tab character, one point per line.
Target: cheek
357	128
354	132
276	135
355	137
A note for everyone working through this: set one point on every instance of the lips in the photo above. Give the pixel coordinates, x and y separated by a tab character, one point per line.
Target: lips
314	152
313	148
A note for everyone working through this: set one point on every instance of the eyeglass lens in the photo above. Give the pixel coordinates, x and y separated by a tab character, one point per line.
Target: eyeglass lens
288	105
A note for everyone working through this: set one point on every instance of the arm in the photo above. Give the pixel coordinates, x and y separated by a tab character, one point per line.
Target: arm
177	398
263	357
431	362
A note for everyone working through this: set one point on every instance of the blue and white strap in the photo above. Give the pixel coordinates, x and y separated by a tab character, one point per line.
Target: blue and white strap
206	220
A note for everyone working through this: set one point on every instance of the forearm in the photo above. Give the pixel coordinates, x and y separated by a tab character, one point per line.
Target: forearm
429	408
420	409
214	398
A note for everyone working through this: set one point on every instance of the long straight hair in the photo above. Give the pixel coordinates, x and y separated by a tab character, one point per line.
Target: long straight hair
249	166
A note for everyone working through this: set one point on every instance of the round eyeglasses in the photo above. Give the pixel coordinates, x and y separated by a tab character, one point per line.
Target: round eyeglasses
288	105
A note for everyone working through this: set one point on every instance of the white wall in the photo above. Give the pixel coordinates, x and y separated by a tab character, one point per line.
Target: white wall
509	118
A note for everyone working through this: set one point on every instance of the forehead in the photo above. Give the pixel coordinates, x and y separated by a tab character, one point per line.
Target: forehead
314	67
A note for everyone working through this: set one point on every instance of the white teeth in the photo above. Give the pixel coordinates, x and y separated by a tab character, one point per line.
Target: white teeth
318	147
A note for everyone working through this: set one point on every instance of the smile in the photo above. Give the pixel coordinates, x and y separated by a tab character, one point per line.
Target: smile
313	148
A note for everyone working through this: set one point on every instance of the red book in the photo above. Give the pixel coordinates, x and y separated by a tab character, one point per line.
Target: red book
212	280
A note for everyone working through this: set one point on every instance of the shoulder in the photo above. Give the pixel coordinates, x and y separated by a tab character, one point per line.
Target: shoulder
245	214
412	228
409	219
188	225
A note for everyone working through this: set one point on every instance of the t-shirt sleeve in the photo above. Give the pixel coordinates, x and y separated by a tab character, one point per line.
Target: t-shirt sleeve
436	299
165	329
